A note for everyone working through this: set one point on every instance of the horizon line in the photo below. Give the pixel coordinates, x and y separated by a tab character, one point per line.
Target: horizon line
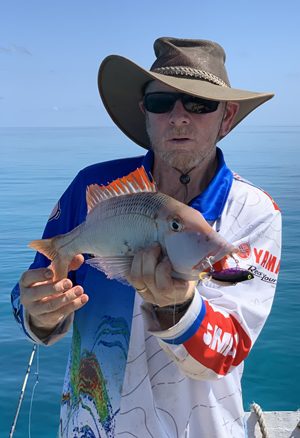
116	127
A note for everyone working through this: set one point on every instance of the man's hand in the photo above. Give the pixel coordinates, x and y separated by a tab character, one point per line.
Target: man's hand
46	302
151	277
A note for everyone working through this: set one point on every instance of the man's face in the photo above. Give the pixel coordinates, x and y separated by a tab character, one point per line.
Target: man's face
183	139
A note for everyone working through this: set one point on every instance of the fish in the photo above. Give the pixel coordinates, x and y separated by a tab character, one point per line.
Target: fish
130	214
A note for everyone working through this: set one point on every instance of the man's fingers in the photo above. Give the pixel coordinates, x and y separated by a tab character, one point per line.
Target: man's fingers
163	279
150	261
76	262
143	267
68	308
135	276
47	307
33	276
43	290
154	275
51	319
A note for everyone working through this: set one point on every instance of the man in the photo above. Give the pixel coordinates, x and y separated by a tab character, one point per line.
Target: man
163	358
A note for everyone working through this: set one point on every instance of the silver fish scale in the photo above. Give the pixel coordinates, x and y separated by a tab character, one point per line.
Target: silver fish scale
146	203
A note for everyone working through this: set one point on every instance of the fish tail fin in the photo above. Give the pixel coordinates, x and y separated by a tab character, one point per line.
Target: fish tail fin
51	249
46	247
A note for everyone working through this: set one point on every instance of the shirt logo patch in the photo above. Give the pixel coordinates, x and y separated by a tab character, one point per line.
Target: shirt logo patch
267	260
264	277
56	212
220	341
244	250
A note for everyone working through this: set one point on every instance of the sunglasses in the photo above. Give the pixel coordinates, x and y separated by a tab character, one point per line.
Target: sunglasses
161	102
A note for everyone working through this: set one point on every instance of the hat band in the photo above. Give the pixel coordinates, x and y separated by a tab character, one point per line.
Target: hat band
189	72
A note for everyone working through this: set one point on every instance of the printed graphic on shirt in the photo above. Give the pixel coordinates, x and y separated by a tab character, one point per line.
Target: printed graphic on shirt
15	300
88	385
220	341
55	213
272	200
221	264
240	178
266	260
244	251
263	277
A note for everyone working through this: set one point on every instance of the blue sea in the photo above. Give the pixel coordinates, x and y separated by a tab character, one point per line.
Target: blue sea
37	164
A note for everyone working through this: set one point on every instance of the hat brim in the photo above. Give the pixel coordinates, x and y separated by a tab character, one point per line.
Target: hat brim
121	84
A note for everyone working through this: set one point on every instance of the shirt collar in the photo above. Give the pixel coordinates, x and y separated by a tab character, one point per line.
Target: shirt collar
212	200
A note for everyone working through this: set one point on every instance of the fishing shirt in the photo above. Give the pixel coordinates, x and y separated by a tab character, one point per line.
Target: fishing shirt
126	377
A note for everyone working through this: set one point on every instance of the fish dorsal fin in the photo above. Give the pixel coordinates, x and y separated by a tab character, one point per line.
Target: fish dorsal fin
136	182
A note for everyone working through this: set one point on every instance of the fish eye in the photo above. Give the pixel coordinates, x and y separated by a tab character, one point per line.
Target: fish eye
175	224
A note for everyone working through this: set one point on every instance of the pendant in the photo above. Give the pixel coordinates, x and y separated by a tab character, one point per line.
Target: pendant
184	178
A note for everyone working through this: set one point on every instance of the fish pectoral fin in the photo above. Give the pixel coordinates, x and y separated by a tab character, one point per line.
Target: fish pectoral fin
115	267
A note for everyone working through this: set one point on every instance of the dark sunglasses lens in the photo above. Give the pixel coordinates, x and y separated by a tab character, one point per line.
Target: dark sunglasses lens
159	102
199	106
164	102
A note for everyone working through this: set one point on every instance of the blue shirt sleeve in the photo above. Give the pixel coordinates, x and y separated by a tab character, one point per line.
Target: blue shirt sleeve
69	212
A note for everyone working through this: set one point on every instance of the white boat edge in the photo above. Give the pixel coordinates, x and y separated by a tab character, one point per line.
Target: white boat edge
279	424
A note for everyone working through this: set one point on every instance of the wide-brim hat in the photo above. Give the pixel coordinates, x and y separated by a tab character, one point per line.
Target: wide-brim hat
195	67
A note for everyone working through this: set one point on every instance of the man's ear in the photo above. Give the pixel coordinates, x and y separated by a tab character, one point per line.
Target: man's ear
228	118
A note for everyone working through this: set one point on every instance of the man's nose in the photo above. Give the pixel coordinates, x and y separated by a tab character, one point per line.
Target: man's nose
178	115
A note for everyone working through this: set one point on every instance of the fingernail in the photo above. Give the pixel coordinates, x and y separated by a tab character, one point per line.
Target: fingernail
66	284
49	273
84	299
78	292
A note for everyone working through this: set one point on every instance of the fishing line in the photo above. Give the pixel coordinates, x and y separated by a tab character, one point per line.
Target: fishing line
174	308
33	389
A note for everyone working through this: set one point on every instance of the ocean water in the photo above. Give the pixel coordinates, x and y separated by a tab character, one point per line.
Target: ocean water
37	164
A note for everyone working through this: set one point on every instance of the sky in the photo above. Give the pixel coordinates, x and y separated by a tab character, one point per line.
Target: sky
50	52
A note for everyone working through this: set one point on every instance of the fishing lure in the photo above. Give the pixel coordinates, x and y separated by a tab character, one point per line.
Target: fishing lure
232	275
229	275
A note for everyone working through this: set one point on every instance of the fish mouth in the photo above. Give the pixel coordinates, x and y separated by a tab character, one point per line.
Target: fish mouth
202	264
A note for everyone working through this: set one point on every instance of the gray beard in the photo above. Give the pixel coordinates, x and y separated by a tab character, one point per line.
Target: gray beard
181	160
